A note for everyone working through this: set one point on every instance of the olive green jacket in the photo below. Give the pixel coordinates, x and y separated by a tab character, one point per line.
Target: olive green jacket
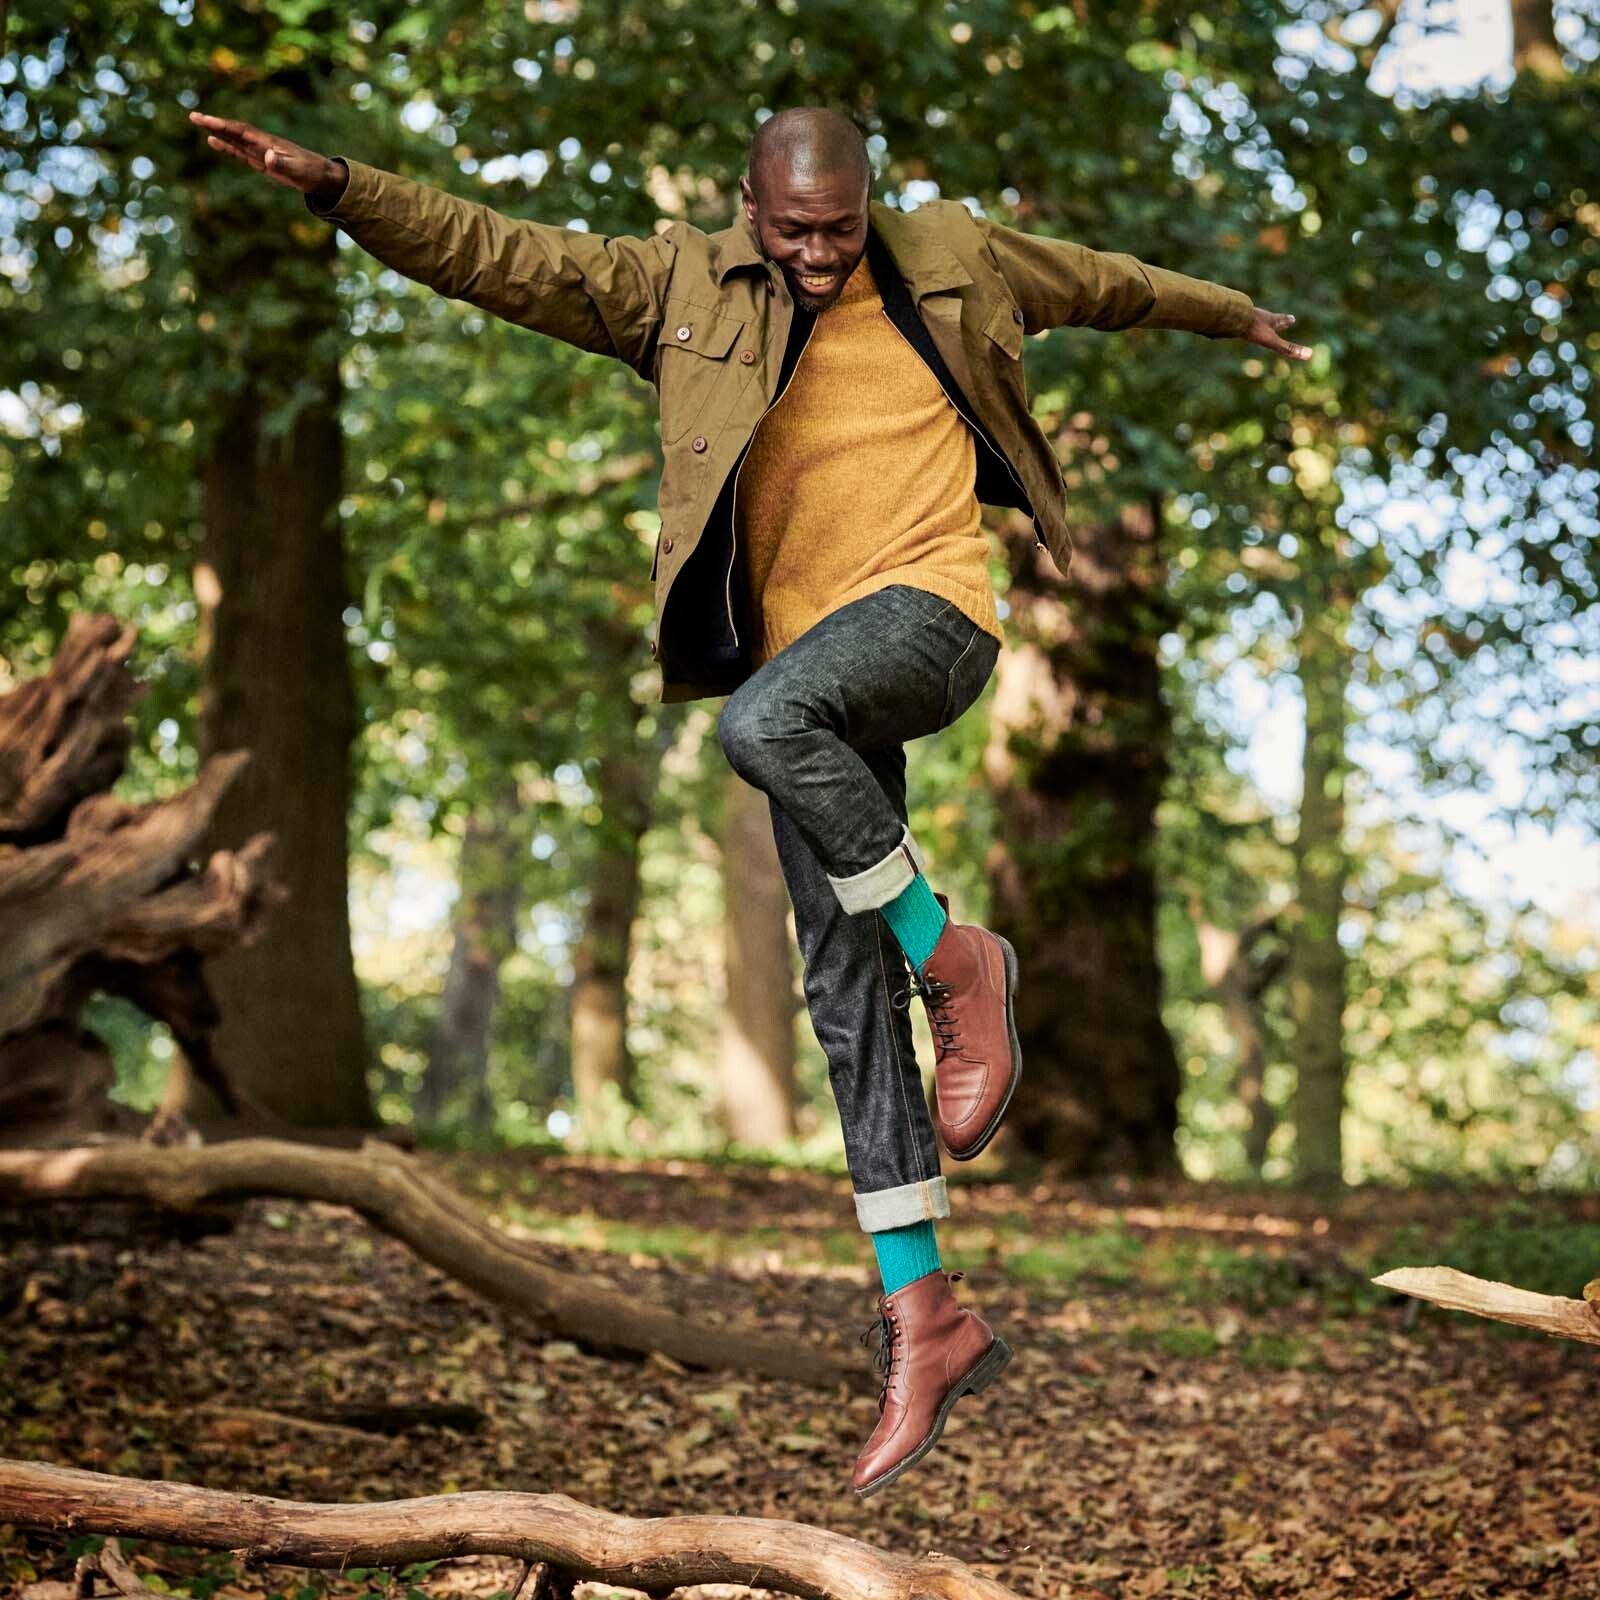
705	318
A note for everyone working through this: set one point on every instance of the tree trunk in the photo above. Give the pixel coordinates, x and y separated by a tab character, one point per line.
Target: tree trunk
1076	759
756	1058
1534	47
625	791
1230	963
490	874
1317	960
272	590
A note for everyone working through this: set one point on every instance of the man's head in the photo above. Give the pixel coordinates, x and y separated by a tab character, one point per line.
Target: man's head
806	195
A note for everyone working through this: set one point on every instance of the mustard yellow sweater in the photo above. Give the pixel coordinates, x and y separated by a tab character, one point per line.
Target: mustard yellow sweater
861	476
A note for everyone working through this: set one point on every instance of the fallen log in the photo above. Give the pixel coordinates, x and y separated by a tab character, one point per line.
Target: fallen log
578	1542
394	1194
1503	1302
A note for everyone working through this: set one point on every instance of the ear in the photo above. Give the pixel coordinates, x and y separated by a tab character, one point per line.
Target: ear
748	196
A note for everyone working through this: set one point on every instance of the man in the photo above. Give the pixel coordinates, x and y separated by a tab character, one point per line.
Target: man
821	562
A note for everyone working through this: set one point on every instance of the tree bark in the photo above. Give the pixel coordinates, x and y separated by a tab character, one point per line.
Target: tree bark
1534	46
1077	757
1317	964
579	1542
756	1057
491	889
625	777
393	1193
271	586
1230	964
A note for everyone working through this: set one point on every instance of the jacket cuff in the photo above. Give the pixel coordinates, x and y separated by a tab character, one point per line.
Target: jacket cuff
354	188
1238	314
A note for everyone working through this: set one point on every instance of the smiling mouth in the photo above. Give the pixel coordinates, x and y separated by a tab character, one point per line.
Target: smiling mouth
814	285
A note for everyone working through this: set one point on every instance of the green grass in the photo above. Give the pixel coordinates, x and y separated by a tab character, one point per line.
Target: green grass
1195	1342
1519	1242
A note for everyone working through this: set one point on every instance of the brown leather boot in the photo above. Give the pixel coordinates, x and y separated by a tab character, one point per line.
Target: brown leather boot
933	1350
967	984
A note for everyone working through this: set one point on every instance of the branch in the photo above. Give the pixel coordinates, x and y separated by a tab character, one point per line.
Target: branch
580	1542
395	1194
1458	1291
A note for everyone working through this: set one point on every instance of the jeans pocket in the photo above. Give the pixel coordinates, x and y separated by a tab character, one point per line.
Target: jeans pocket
969	672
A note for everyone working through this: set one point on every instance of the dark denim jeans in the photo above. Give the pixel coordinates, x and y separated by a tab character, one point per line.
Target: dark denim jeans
820	729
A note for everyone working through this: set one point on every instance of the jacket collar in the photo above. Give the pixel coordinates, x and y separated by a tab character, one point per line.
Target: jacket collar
913	245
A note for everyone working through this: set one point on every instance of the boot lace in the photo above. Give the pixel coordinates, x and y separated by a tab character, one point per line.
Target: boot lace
936	996
883	1353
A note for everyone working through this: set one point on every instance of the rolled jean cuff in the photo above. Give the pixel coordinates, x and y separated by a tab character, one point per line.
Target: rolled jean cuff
910	1202
880	883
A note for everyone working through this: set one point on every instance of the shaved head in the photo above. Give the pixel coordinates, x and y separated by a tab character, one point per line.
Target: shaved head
810	143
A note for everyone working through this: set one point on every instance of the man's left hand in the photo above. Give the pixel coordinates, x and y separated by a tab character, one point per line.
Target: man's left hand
1264	328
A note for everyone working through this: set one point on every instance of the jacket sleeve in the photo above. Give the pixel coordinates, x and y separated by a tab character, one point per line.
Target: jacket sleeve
598	293
1060	284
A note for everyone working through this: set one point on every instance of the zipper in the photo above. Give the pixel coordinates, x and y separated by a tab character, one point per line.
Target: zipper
978	433
733	498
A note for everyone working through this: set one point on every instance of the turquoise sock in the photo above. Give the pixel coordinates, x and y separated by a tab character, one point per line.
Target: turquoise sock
905	1253
916	920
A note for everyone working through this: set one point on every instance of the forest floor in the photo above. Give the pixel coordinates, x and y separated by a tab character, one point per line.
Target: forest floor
1208	1397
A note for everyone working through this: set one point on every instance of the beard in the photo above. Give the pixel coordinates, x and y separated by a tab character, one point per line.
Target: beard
806	300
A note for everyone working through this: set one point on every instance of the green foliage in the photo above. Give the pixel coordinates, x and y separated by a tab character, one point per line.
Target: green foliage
498	509
1519	1243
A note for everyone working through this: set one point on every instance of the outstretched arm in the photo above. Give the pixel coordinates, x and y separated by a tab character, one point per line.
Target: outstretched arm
598	293
1057	283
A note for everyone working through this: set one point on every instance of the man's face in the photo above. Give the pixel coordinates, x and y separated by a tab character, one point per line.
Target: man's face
813	227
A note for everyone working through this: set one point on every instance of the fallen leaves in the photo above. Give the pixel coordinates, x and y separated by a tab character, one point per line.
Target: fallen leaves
1442	1461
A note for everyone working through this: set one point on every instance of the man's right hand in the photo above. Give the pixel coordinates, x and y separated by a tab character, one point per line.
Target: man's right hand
290	164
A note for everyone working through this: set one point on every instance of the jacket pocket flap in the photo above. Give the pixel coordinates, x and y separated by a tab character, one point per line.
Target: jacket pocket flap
1005	330
704	332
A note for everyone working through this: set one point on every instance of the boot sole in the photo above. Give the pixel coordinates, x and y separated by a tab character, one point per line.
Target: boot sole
993	1126
984	1371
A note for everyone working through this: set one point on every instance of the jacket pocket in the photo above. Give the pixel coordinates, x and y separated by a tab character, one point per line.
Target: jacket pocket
695	346
1005	330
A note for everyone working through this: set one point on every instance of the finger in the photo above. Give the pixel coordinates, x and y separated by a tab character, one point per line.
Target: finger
222	137
243	136
226	127
238	152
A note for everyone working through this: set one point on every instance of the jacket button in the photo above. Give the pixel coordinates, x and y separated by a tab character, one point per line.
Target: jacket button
666	545
699	443
747	356
1016	314
685	331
